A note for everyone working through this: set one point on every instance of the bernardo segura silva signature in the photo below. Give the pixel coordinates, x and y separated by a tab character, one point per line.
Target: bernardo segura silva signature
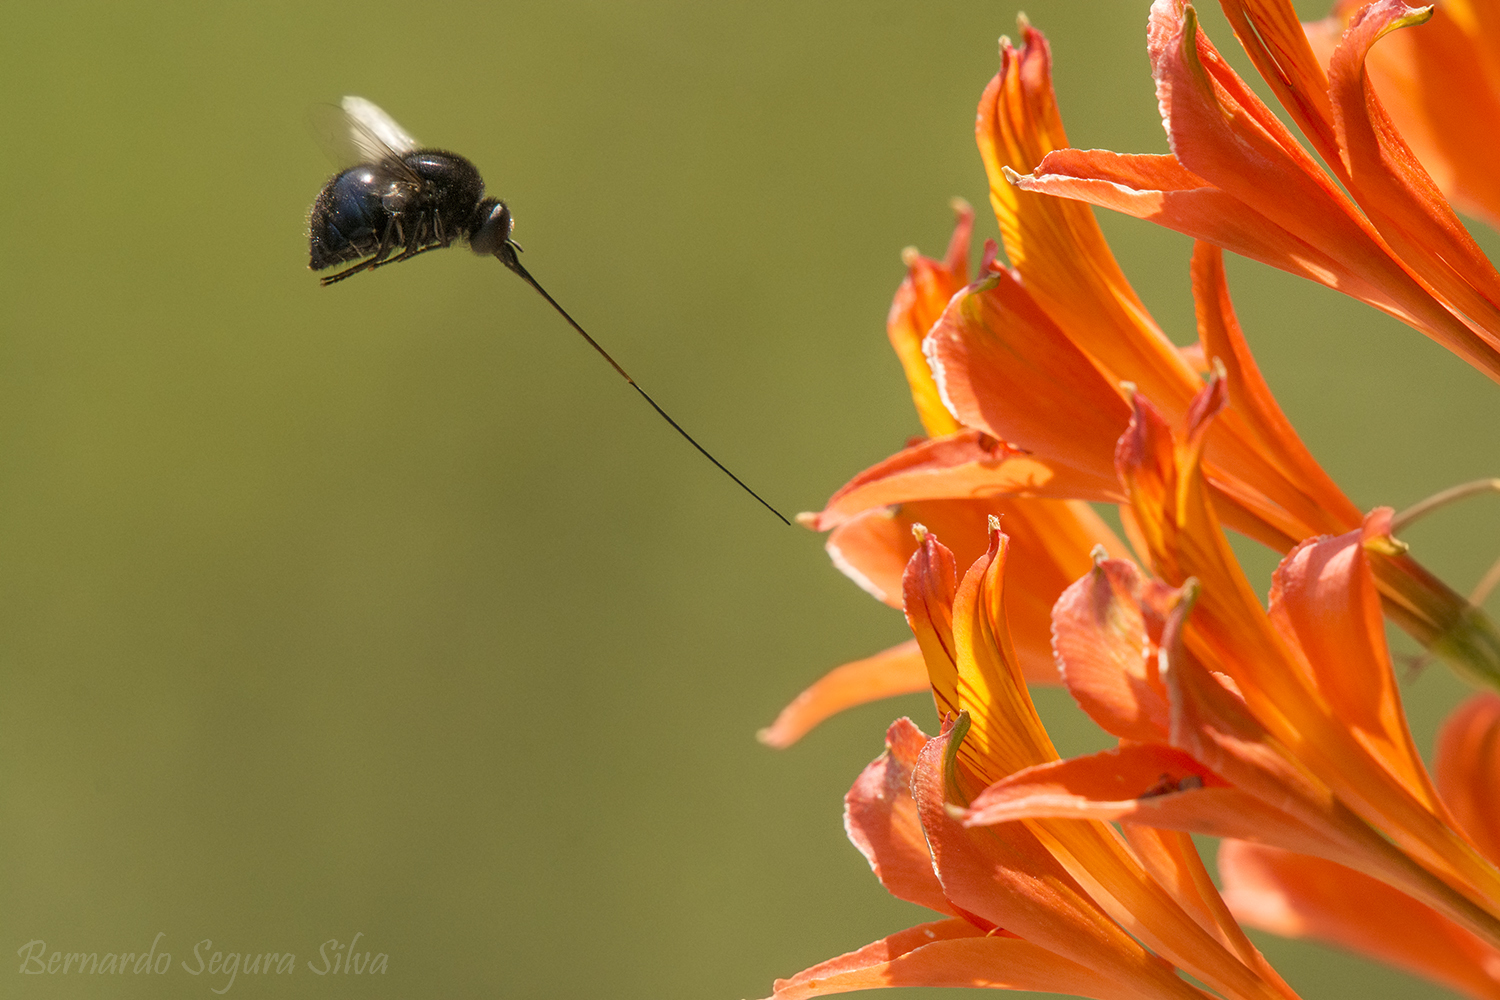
335	958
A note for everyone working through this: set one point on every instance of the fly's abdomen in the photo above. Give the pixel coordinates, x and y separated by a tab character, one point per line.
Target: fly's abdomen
348	219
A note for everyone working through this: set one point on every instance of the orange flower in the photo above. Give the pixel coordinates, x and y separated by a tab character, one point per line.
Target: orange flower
1237	177
1416	75
1050	904
1300	896
1032	364
1310	724
1046	384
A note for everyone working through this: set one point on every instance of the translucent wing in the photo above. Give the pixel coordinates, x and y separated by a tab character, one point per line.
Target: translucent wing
375	132
358	131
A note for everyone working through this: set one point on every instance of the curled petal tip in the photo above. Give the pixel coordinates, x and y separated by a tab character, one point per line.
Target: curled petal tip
919	532
1098	554
910	256
1011	176
808	519
1022	21
961	207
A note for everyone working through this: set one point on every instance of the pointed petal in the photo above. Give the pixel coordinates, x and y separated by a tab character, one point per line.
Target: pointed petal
1005	367
1297	896
1159	189
1265	197
962	466
1468	770
1233	635
1096	908
1150	784
1222	132
1390	185
1051	542
1280	50
1006	878
898	670
1006	734
919	302
1106	649
1056	245
1324	599
1416	74
955	953
1172	859
1216	728
881	819
1307	491
927	593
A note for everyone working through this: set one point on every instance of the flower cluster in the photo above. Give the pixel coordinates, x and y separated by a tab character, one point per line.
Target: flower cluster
1045	388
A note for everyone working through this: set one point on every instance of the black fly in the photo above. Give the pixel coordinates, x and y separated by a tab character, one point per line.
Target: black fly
400	199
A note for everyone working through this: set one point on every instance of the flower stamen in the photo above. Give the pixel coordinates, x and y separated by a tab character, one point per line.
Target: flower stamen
1437	501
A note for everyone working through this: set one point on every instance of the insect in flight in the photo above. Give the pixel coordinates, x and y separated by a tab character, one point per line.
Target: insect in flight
400	199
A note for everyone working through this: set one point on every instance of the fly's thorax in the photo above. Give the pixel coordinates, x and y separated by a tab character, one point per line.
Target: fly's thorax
451	186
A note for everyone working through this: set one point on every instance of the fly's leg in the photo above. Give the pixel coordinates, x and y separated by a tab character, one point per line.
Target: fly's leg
374	261
417	244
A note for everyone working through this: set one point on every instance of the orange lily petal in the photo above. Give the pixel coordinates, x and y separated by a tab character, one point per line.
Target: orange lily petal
1066	267
1106	649
919	302
1396	193
1012	881
1263	482
1151	784
1350	128
1275	42
1416	74
1222	132
1159	189
961	466
1051	542
1018	124
1005	367
1172	859
1235	636
881	818
1307	492
927	592
1007	733
1094	859
1006	736
1298	896
1468	769
1323	598
1271	798
1113	616
955	953
895	671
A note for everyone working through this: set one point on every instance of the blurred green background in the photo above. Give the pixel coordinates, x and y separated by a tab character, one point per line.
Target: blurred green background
388	609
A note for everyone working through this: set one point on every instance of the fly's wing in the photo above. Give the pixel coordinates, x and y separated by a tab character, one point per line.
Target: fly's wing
375	132
358	131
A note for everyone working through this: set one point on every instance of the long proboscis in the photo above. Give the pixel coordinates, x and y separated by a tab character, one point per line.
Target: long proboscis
507	256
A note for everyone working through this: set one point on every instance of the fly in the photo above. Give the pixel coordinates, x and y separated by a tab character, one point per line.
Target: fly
401	199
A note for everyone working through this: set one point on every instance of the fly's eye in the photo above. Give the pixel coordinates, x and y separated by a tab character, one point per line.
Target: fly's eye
491	228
